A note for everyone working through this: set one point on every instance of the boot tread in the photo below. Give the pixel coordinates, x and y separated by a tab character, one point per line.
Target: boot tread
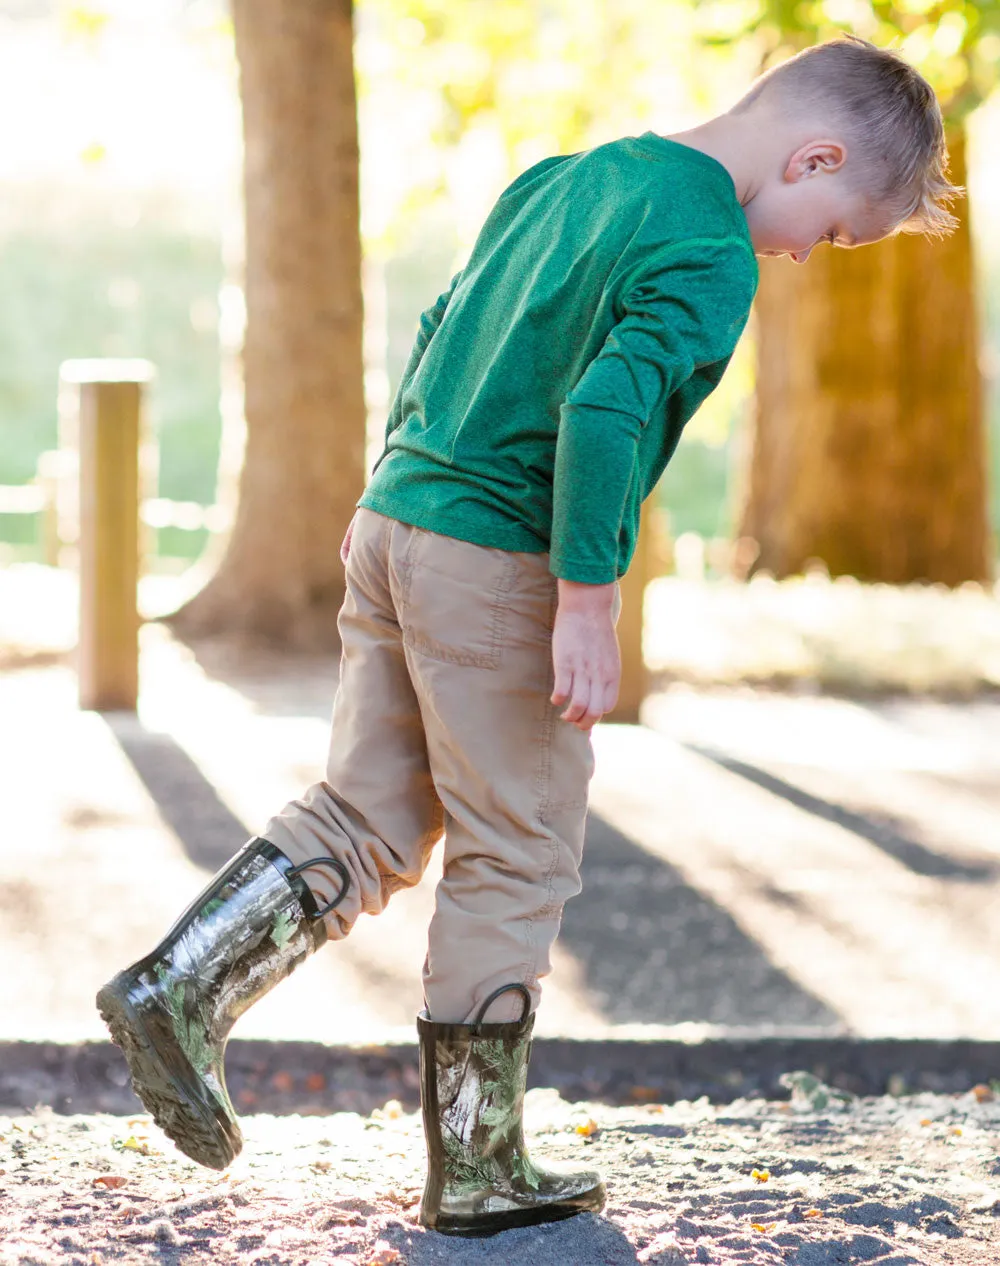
189	1124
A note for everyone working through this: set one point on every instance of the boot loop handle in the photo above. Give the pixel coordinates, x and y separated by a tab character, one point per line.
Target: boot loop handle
343	874
521	989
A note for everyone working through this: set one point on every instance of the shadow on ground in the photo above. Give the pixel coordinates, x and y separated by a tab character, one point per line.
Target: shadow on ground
877	829
651	948
586	1238
654	950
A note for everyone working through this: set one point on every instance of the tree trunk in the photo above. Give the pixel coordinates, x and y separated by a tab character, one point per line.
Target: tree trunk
869	451
281	579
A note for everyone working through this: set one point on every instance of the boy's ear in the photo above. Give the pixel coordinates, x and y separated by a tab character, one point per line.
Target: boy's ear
815	158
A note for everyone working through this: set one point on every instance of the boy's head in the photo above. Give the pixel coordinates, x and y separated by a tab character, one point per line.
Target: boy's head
852	149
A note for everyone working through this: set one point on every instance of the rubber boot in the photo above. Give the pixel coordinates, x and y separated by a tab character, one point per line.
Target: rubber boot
480	1178
171	1012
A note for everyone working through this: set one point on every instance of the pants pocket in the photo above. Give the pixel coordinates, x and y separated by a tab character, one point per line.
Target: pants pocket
456	599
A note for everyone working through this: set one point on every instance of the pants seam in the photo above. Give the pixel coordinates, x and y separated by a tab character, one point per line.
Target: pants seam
406	568
544	787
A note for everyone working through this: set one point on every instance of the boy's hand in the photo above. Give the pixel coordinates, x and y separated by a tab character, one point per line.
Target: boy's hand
585	653
345	547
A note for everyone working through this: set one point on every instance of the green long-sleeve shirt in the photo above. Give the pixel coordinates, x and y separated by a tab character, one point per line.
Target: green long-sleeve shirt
548	386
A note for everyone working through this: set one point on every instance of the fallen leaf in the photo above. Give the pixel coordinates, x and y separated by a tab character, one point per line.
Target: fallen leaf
132	1144
322	1167
813	1213
761	1175
588	1128
110	1181
956	1129
384	1255
925	1121
983	1093
763	1226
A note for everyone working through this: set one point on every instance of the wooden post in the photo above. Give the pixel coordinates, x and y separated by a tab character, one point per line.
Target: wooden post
633	590
109	411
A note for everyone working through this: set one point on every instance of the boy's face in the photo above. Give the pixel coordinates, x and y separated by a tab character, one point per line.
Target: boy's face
810	202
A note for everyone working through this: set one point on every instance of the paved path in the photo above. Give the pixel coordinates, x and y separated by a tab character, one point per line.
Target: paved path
755	862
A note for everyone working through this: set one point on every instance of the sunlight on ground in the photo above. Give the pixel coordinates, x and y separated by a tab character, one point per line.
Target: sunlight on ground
807	631
851	844
841	635
853	925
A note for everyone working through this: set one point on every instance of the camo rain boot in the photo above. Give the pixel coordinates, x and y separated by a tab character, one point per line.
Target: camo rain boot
480	1178
171	1012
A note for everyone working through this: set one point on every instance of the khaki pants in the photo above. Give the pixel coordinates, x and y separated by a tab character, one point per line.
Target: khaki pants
442	724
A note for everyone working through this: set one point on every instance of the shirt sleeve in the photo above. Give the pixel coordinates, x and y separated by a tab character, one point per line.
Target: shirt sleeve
681	310
429	321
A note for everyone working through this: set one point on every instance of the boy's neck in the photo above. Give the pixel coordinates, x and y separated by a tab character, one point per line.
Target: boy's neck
734	141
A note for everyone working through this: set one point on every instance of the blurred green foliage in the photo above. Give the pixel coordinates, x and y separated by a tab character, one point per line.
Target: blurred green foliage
954	43
96	290
544	74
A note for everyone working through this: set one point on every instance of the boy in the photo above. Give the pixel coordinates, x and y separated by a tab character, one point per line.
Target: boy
545	393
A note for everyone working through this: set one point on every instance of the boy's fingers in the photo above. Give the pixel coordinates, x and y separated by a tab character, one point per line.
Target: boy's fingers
580	703
563	686
575	708
596	709
602	700
574	711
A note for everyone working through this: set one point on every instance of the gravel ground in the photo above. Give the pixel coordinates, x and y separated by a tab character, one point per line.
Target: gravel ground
884	1180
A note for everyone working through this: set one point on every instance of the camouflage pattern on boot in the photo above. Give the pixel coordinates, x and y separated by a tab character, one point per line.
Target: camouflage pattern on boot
171	1012
480	1177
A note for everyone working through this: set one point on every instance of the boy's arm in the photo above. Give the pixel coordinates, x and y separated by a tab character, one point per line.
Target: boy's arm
430	319
685	310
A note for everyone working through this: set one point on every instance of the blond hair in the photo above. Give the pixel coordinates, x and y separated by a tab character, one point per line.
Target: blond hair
892	120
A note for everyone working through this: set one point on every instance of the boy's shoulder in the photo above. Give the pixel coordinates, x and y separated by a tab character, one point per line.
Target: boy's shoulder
682	191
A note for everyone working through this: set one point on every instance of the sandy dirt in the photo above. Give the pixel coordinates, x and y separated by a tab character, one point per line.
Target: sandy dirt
912	1180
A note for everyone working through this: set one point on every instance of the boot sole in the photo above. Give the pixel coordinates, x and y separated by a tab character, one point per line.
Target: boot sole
493	1223
191	1125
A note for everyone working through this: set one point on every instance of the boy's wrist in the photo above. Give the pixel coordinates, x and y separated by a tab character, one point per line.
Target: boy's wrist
576	596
